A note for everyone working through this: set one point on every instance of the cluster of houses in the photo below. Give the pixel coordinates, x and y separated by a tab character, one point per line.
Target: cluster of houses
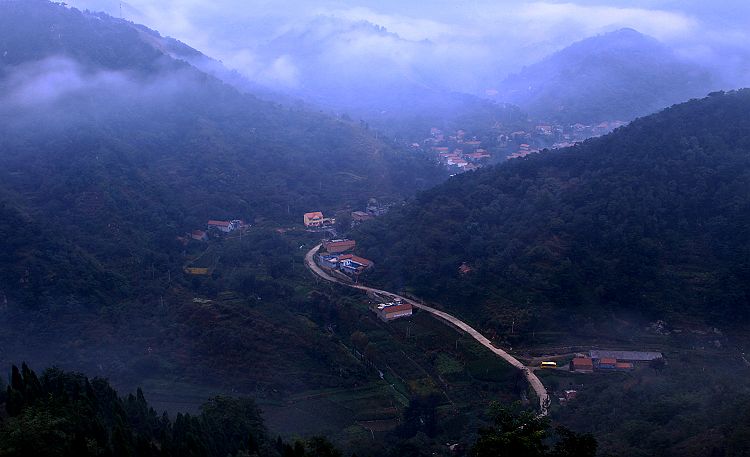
611	360
336	257
457	153
316	220
548	136
393	310
524	149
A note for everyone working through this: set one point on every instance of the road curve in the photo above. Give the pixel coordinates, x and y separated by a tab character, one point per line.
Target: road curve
533	380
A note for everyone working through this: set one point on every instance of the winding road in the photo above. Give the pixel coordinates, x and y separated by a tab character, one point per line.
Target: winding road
532	378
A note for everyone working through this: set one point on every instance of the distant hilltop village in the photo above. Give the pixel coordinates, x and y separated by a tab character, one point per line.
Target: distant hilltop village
459	152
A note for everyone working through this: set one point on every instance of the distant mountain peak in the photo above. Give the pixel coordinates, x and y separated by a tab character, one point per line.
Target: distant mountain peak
620	75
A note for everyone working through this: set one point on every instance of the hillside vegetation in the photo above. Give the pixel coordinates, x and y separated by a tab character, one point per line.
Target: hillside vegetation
67	414
651	220
113	145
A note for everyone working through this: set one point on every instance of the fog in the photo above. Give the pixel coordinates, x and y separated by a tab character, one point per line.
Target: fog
333	51
59	92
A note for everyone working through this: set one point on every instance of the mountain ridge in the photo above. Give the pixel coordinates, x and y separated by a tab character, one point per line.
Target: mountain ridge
615	76
638	221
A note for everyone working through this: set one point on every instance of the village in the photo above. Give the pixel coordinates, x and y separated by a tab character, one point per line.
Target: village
460	152
600	361
336	257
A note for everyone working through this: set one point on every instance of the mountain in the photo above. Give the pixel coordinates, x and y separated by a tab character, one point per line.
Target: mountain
111	147
111	142
615	76
366	71
652	220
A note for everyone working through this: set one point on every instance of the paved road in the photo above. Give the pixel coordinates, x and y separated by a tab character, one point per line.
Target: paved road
532	378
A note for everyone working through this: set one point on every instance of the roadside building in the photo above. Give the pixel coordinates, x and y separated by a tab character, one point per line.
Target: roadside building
623	366
339	246
391	311
329	261
582	364
353	265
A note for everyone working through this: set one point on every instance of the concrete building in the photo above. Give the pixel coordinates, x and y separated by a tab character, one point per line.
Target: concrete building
391	311
315	219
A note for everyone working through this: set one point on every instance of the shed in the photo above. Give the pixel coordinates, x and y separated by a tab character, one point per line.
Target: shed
582	364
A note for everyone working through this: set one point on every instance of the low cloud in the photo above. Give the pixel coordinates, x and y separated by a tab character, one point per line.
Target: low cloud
466	47
51	80
58	93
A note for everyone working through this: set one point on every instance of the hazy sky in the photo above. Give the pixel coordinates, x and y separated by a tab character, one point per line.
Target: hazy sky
488	37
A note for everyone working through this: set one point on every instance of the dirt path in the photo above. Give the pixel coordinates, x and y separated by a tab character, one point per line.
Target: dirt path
533	380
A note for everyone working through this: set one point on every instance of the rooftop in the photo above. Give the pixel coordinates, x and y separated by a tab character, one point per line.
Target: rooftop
397	308
626	355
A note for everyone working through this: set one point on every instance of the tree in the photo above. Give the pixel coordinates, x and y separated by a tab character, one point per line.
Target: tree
525	434
512	435
359	340
571	444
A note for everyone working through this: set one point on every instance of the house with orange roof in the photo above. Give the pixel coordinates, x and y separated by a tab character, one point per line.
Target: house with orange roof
316	219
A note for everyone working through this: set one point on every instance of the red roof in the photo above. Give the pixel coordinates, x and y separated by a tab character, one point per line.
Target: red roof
355	258
337	243
627	365
219	223
397	308
608	361
582	362
361	260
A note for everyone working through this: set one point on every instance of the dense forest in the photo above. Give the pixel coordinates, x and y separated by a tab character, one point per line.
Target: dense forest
584	247
113	145
651	220
111	149
615	76
67	414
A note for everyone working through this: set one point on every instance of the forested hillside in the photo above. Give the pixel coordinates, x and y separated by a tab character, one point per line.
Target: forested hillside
111	149
116	147
615	76
651	220
66	414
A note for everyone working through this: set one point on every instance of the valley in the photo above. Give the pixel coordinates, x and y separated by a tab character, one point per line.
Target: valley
346	233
